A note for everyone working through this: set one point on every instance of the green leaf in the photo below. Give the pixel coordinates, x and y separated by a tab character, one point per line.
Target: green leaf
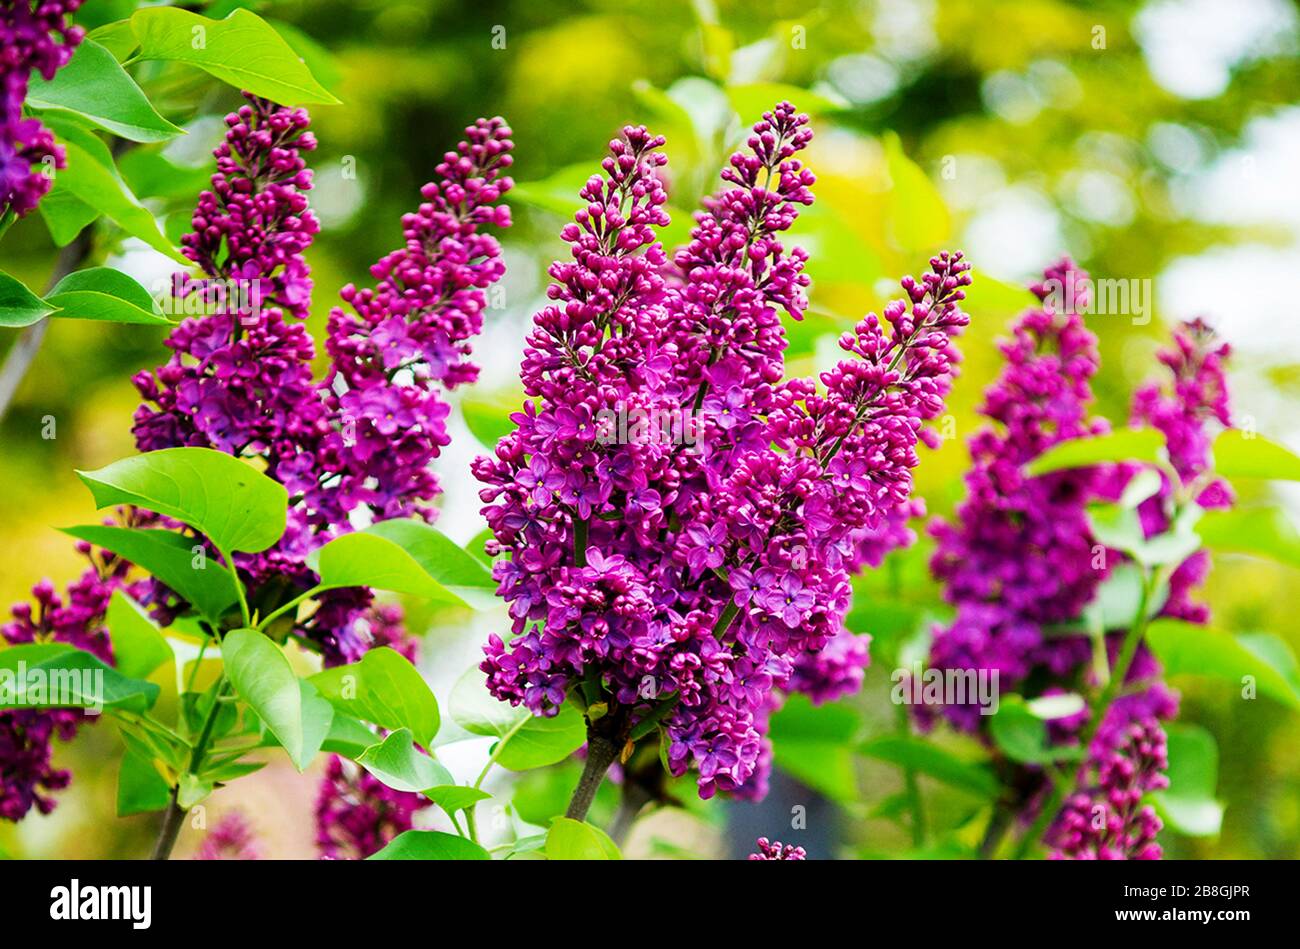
98	186
140	788
1022	735
1259	532
117	37
557	193
815	745
95	87
102	293
919	218
18	305
138	644
263	678
1143	485
539	742
570	839
69	678
430	845
488	417
65	216
1116	601
1188	805
383	688
929	759
171	558
454	568
1129	444
242	50
406	556
400	765
455	797
1239	454
347	736
233	504
1187	649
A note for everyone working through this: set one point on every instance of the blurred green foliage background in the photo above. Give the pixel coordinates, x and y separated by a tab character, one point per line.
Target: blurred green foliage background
1155	142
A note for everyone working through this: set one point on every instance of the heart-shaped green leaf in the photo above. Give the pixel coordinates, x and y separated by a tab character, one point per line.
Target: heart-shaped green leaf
406	556
242	50
570	839
261	675
430	845
69	678
102	293
94	86
18	305
1128	444
400	765
233	504
138	644
383	688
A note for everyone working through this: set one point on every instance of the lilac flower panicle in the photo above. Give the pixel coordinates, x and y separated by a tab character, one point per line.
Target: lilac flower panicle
705	575
35	36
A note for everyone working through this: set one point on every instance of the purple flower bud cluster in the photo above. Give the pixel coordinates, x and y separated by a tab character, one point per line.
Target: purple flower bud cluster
1107	820
688	579
230	839
34	35
775	850
1002	595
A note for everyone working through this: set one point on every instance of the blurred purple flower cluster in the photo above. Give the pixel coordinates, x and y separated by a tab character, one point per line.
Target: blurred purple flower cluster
34	35
1021	558
682	567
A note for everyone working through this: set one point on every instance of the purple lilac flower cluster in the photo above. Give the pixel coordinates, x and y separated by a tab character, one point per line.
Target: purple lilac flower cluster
34	35
231	838
688	580
1021	555
775	850
1198	396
